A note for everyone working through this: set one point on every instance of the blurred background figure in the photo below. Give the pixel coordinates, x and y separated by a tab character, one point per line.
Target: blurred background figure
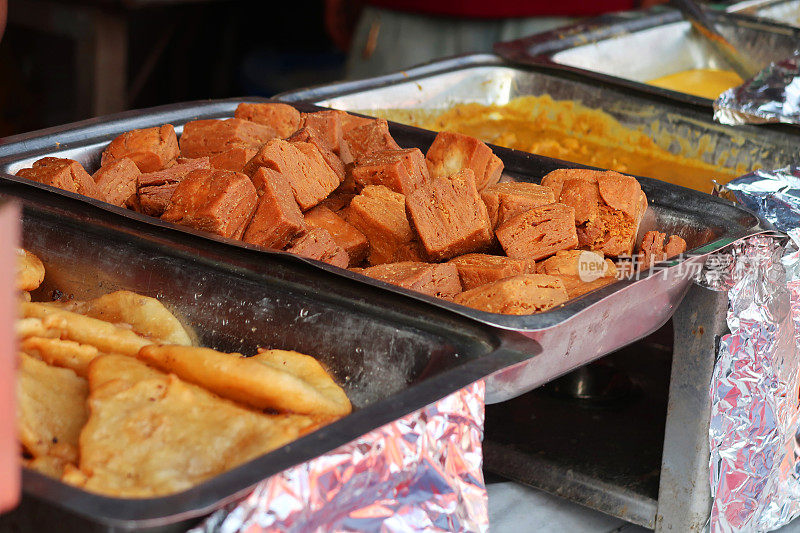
386	35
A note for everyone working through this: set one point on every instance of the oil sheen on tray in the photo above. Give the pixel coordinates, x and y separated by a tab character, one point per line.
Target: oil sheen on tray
704	82
568	130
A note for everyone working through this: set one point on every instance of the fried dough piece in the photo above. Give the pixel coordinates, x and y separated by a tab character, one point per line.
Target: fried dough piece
65	174
309	370
245	380
35	327
608	207
52	408
580	271
452	152
85	330
61	353
435	279
504	201
539	233
159	435
654	249
475	270
519	295
150	148
147	316
282	118
48	465
30	271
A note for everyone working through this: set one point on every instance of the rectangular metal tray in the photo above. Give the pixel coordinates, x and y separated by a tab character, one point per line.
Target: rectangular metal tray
572	335
489	80
630	49
777	11
392	355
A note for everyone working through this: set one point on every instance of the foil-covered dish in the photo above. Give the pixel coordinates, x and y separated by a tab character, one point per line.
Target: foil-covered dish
754	455
773	96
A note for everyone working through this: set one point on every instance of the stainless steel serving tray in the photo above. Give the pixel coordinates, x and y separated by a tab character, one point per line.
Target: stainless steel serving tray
629	50
488	79
776	11
391	354
572	335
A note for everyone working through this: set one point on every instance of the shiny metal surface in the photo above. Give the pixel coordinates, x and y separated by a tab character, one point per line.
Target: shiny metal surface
666	44
487	79
572	335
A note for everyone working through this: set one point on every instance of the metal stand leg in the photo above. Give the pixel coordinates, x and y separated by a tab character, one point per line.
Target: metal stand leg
684	499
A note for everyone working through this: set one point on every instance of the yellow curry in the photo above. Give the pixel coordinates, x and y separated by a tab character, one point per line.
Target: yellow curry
704	82
565	129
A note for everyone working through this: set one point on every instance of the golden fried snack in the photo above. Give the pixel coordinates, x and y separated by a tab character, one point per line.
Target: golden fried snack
86	330
258	383
34	327
309	370
30	271
161	435
52	408
147	316
48	465
61	353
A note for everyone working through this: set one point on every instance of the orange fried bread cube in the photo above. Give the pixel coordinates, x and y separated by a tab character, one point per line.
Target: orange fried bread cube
150	148
452	152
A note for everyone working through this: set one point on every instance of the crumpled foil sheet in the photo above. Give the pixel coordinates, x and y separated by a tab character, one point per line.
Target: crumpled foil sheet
773	95
755	458
774	195
419	473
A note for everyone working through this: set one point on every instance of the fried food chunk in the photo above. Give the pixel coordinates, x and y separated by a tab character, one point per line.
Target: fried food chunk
117	180
255	382
232	159
277	219
147	316
402	170
217	201
310	177
211	136
654	250
151	148
159	435
519	295
539	233
452	152
282	118
449	216
48	465
155	189
608	207
475	270
580	271
435	279
64	174
504	201
30	271
105	337
61	353
343	233
52	409
380	214
371	136
319	244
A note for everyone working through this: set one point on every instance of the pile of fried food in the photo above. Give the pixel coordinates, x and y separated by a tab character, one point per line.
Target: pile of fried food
337	188
113	398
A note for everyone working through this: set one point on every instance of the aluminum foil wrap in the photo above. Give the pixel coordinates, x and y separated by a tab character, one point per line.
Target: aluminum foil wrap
419	473
755	461
773	95
774	195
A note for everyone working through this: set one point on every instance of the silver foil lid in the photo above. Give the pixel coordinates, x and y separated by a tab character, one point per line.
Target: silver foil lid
772	96
419	473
